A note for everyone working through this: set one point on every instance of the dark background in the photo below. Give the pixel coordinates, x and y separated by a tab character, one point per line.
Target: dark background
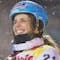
53	28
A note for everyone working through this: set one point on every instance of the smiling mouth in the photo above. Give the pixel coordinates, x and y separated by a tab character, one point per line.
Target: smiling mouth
20	31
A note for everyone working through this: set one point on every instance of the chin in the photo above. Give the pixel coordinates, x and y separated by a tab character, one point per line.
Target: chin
20	33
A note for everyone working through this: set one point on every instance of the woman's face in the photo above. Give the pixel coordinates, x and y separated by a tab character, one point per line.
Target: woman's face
22	24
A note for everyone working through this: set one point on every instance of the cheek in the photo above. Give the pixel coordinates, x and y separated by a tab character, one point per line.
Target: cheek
28	27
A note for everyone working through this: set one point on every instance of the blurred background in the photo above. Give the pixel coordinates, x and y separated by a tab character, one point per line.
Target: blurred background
53	28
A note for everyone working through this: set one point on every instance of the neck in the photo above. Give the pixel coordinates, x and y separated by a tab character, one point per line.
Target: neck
23	38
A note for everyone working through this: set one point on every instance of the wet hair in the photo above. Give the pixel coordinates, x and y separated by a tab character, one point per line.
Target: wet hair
49	41
40	29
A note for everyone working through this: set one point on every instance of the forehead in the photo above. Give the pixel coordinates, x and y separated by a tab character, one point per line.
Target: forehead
18	16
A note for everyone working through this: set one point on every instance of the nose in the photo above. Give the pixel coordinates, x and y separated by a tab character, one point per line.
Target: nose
18	24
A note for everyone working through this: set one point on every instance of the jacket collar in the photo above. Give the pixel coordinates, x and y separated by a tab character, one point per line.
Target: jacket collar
28	44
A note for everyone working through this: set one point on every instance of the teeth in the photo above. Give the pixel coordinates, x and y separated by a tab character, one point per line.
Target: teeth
19	31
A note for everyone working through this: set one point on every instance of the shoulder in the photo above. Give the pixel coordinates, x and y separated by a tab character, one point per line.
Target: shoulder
48	49
49	53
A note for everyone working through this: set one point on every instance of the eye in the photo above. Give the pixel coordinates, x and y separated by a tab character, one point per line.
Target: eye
23	20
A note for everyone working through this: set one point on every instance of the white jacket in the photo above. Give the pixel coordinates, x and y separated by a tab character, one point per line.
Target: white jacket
32	50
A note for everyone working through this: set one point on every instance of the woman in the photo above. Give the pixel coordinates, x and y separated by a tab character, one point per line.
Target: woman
28	26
